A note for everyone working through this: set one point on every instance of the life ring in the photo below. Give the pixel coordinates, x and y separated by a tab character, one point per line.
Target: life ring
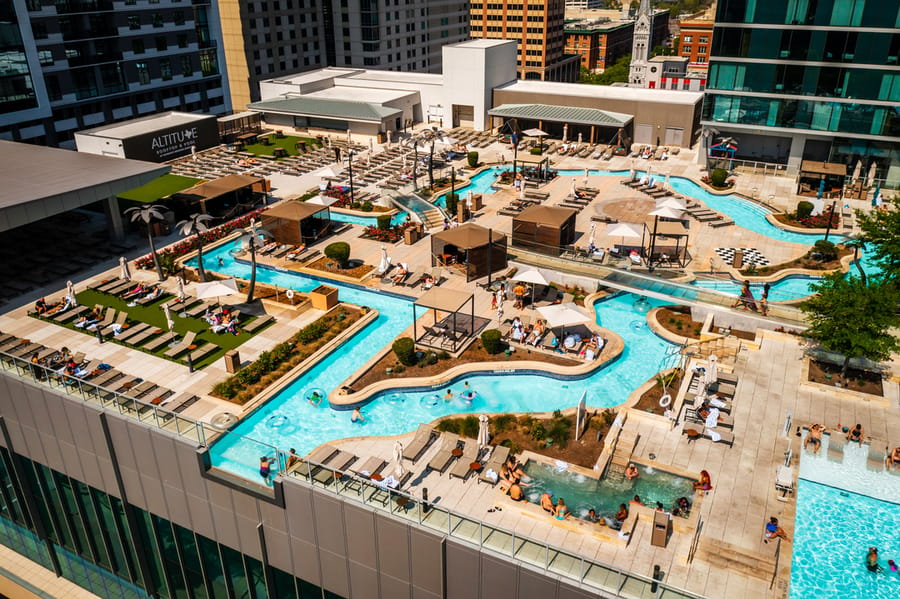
314	397
289	294
665	400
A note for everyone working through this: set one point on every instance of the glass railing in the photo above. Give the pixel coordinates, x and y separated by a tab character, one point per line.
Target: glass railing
506	542
104	398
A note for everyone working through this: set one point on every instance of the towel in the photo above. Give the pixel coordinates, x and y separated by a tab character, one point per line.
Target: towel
490	474
715	436
391	482
712	420
716	402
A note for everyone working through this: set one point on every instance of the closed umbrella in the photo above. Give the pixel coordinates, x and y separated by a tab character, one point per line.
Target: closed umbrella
531	276
572	187
857	171
668	184
349	139
390	137
586	173
170	324
483	431
565	133
70	292
398	469
181	293
371	146
873	170
591	234
385	263
579	138
522	191
712	370
124	271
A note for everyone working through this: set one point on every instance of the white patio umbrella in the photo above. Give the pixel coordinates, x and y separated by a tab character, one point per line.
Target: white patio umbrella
671	202
70	291
483	431
857	171
216	289
168	312
668	184
398	469
591	234
322	200
587	172
385	263
563	315
579	137
666	212
349	139
534	133
873	170
404	161
330	171
624	230
531	276
194	153
712	370
572	187
565	136
180	284
124	271
390	137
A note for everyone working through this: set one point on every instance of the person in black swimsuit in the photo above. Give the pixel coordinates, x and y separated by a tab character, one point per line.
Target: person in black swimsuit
856	434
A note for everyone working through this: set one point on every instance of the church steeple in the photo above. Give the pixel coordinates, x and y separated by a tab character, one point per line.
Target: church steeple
640	49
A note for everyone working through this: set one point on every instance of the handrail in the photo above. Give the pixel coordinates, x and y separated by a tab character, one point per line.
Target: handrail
104	398
695	542
488	537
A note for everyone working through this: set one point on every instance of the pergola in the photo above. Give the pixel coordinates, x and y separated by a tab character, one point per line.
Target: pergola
533	167
819	178
478	250
296	222
664	251
236	187
545	229
454	328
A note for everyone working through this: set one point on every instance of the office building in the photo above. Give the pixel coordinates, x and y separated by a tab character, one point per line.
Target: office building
273	38
794	81
695	41
600	42
539	30
580	4
81	63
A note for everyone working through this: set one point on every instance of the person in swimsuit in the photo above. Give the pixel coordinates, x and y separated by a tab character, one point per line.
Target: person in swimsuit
631	472
547	503
562	512
872	560
705	482
773	530
814	437
357	416
516	493
265	468
893	458
856	434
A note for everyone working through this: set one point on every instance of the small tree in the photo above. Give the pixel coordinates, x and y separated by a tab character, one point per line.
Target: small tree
383	221
339	251
490	339
852	318
804	209
146	215
452	202
196	225
827	251
405	350
472	159
881	234
718	176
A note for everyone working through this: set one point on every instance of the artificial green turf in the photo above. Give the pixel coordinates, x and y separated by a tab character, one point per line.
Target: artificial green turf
288	142
153	314
159	188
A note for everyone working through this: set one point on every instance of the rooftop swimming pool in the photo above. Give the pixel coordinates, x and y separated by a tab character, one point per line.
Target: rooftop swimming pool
482	183
785	289
288	420
367	221
842	510
583	493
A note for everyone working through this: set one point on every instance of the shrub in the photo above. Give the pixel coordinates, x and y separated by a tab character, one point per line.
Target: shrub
339	251
452	203
449	425
405	350
538	432
804	209
490	339
535	150
469	427
367	206
560	431
443	355
472	159
502	422
826	250
311	332
718	176
383	221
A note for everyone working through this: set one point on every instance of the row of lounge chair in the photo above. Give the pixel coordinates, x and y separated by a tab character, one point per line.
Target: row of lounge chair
456	454
723	390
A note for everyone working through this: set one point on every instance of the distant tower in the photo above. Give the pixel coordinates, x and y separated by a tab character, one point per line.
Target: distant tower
640	49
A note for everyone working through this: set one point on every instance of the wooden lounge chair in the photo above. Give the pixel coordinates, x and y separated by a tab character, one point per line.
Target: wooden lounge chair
372	465
117	324
182	347
449	442
334	468
160	341
257	323
318	457
108	319
497	459
202	352
420	442
131	332
198	309
69	314
695	431
462	467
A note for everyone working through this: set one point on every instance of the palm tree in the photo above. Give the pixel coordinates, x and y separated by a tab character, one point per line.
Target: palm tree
251	238
148	214
196	225
858	245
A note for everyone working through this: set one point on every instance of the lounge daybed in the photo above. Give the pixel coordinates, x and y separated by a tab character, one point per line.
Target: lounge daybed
420	442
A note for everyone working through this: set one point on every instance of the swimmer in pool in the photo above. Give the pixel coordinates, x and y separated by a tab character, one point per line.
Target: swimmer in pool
872	560
315	398
357	416
448	395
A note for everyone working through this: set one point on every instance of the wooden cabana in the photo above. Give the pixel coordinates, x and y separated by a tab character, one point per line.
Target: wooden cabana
455	327
668	244
226	197
533	168
821	179
544	229
297	223
473	249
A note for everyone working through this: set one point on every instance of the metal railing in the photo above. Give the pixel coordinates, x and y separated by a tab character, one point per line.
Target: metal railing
596	574
104	398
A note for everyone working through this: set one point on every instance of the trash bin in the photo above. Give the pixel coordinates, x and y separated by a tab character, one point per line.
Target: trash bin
410	235
661	527
232	361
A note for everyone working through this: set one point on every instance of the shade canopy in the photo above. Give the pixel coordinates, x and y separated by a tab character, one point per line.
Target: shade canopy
219	187
444	300
544	229
216	289
625	230
469	236
563	315
546	215
293	210
531	276
296	222
671	202
666	212
811	167
321	200
534	133
477	250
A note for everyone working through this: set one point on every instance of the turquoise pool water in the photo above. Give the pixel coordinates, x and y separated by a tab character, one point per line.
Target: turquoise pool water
366	221
789	288
482	183
288	420
833	532
583	493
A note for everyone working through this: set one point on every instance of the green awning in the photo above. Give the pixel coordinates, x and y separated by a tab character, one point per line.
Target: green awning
562	114
327	108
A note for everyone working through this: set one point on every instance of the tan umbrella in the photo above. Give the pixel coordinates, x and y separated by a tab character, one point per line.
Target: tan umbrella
483	431
591	234
168	312
349	139
587	172
398	469
873	170
565	136
857	171
124	271
181	293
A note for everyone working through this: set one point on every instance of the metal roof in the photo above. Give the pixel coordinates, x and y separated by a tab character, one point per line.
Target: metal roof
146	124
562	114
327	107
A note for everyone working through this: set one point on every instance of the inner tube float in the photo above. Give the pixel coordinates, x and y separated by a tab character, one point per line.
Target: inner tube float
468	395
429	401
394	398
314	397
277	420
665	401
638	325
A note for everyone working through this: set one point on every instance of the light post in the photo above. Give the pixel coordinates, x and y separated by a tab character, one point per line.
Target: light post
350	167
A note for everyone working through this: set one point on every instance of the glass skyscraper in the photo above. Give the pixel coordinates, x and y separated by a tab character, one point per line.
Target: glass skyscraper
808	79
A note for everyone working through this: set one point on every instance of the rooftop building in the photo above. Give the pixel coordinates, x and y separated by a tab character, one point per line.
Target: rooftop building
600	42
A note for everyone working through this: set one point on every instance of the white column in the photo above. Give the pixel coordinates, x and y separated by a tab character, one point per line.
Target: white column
114	216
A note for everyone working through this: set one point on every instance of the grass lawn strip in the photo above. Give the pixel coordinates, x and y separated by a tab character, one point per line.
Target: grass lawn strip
288	143
159	188
153	315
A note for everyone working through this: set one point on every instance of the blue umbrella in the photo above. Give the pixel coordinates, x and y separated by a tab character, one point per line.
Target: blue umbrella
821	188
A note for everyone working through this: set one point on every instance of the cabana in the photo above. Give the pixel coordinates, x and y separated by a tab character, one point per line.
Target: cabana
475	250
668	244
536	168
454	328
229	196
821	179
544	229
297	223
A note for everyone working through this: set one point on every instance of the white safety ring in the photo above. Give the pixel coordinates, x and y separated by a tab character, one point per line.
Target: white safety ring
289	293
665	400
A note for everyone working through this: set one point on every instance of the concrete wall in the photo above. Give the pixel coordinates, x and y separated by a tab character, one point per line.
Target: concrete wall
471	72
345	547
96	144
